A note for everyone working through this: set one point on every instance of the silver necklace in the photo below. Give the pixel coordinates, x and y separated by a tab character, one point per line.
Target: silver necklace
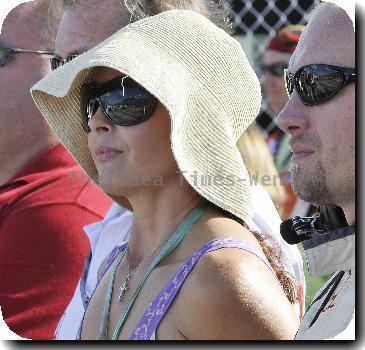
125	285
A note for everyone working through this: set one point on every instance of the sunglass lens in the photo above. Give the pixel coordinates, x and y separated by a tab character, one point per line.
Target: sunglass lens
128	106
55	62
289	84
89	109
318	83
92	107
121	104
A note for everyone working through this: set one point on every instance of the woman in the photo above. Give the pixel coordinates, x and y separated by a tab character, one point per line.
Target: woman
153	97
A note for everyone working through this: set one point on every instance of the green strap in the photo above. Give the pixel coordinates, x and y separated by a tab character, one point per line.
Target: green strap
105	320
167	248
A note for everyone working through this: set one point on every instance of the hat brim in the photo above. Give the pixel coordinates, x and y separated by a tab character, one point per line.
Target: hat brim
203	78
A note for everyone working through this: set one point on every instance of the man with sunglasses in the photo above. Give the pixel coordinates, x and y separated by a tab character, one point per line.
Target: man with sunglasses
320	119
45	198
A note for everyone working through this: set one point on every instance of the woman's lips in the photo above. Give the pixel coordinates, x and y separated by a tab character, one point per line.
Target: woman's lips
104	153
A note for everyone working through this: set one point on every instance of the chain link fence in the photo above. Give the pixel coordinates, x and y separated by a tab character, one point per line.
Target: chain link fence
257	21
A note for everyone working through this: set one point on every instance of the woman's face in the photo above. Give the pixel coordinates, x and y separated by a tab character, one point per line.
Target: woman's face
131	157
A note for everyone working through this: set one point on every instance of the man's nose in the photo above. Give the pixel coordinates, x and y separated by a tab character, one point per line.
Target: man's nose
292	119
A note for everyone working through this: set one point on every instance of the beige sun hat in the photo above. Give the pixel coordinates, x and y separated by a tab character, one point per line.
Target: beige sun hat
198	72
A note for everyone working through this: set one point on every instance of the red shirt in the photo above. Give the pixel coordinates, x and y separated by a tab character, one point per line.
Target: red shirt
42	244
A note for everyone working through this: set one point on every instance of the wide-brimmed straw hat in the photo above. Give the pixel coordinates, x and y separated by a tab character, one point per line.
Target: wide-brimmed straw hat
198	72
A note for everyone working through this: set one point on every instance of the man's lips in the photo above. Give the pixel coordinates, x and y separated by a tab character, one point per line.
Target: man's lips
300	152
104	153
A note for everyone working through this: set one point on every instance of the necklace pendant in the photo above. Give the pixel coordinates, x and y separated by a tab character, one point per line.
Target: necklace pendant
123	289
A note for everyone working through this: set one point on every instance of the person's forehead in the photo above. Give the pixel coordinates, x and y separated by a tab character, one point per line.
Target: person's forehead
328	38
83	27
18	26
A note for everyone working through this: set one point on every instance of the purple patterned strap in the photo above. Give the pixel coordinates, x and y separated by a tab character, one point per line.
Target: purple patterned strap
152	317
110	259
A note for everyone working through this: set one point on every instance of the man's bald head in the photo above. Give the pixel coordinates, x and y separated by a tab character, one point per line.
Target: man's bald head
36	24
328	38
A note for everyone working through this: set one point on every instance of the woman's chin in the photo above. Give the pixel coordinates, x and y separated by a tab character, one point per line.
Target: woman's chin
113	188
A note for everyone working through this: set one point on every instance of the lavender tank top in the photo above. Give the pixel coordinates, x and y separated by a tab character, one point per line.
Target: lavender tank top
153	315
157	309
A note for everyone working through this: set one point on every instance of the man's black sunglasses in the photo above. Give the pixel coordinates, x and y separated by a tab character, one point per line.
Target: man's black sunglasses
275	69
6	52
58	61
317	83
123	102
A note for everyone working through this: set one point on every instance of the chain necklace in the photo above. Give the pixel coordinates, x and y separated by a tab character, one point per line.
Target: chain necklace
124	287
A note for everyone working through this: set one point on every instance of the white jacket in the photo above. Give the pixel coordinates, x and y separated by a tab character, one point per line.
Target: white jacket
331	313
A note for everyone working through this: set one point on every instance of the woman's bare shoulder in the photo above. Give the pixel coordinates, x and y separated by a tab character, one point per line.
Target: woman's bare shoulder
220	227
231	294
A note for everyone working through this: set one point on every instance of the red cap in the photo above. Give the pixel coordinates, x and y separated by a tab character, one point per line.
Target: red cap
286	39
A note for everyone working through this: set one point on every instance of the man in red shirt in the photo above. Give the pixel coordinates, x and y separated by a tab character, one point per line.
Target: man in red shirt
45	198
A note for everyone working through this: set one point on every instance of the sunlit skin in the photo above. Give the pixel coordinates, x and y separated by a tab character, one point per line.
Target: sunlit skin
225	282
273	85
323	136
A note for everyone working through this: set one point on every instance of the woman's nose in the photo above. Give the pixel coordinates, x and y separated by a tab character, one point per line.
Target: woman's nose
99	122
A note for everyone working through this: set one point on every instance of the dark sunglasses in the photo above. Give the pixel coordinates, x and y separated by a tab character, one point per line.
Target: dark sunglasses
123	102
276	69
57	62
6	52
316	83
